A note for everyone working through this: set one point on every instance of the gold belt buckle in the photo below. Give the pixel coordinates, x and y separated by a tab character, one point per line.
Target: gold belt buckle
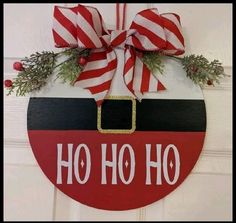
118	131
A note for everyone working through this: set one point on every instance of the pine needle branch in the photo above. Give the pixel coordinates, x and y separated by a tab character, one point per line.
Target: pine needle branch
38	67
153	61
70	69
201	71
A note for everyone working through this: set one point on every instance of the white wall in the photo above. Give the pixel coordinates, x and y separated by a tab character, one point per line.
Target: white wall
207	27
207	192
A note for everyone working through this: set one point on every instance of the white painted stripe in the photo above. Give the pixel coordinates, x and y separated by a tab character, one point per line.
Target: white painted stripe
91	82
152	84
69	14
64	33
152	26
100	95
172	38
96	20
86	27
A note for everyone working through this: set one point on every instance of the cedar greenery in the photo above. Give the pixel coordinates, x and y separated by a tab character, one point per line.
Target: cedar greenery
197	67
153	61
37	68
40	66
201	71
70	69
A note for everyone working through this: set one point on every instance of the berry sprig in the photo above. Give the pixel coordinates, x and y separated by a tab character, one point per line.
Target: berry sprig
197	67
34	71
201	71
72	66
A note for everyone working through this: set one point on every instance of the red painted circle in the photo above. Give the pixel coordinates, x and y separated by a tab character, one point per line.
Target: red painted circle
118	196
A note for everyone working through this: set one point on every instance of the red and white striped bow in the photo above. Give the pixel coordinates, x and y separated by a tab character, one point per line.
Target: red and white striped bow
83	27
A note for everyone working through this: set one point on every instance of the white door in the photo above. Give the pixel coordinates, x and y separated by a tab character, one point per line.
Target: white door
205	195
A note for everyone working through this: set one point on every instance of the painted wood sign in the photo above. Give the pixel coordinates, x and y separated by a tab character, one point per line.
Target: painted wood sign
130	127
125	154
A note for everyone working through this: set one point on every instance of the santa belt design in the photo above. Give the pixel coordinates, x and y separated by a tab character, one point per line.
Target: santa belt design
117	115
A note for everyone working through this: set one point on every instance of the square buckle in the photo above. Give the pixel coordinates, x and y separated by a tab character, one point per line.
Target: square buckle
117	131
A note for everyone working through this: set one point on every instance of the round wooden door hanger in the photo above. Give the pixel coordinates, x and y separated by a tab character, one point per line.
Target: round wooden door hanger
125	154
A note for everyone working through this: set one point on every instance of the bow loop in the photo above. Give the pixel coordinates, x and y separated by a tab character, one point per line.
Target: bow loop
174	36
155	32
79	26
90	27
150	33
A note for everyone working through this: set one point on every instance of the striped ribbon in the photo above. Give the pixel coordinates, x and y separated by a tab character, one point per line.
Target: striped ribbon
83	27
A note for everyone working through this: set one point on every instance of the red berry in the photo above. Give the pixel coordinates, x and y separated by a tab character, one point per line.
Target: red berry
18	66
8	83
209	82
82	61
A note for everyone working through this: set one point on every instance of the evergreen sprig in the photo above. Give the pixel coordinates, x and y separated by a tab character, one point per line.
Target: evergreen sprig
201	71
69	69
197	67
153	61
38	67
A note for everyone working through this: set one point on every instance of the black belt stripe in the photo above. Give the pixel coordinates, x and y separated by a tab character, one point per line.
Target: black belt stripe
151	114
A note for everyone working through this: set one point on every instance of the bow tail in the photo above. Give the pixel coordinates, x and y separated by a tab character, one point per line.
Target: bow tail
98	73
137	77
144	79
129	66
